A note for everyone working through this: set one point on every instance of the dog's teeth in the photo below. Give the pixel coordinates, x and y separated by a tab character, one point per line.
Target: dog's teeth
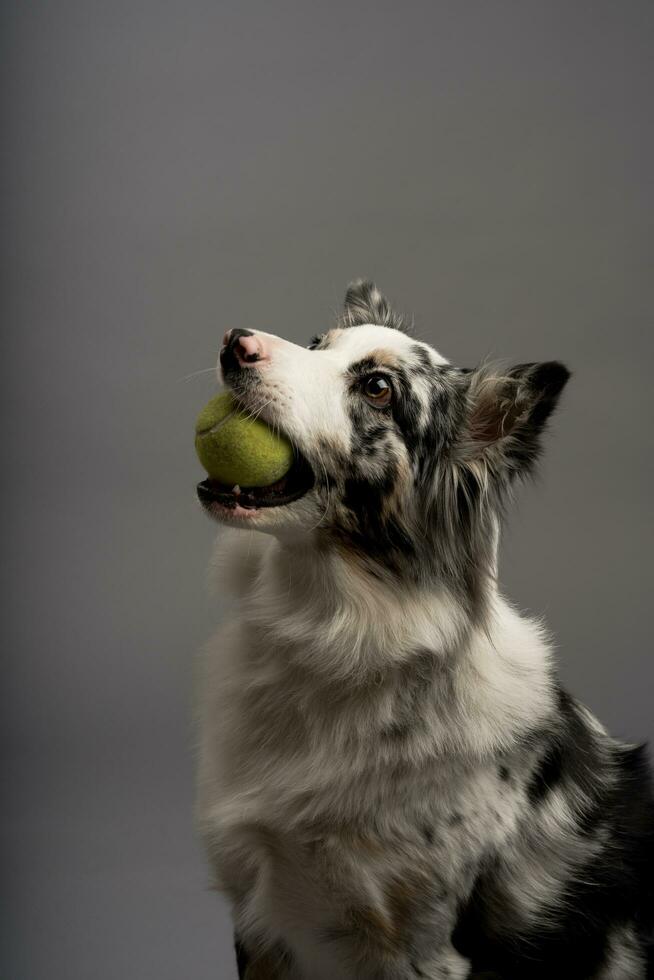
236	489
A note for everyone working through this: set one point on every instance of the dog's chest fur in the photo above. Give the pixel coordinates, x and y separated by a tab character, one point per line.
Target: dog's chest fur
319	879
364	801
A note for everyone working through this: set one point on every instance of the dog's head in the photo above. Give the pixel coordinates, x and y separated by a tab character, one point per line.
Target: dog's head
403	461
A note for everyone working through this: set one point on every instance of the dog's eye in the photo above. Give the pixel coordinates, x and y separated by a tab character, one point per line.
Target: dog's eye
378	390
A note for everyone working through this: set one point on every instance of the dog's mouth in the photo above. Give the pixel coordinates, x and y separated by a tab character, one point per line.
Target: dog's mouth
298	481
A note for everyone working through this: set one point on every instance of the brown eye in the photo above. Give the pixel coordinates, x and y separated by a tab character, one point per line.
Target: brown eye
378	390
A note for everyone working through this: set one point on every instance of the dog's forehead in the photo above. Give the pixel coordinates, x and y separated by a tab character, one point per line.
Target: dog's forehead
358	342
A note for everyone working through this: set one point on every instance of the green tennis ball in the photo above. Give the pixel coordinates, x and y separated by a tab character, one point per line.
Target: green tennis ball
234	448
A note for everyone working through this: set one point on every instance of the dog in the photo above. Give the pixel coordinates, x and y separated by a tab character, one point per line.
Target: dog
392	783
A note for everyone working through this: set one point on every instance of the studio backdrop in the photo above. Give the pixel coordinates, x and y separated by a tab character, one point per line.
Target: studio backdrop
172	169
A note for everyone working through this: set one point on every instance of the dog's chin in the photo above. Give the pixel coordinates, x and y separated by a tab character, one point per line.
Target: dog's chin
256	506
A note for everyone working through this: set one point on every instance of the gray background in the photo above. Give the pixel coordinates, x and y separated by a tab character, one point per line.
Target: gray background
175	168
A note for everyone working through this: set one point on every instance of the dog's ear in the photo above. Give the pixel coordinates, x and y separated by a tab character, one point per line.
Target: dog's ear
365	304
506	414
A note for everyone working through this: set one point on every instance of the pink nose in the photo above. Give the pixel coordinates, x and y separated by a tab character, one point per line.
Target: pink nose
244	347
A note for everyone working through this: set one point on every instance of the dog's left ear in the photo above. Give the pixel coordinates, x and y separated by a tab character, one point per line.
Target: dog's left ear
365	304
506	414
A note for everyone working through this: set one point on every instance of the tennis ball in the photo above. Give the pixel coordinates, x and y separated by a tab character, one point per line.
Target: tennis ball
234	448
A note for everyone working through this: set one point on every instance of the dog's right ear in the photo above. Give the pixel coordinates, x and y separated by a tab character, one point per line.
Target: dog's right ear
506	414
365	304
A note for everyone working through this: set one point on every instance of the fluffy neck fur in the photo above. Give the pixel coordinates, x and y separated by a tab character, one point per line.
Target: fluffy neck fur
380	674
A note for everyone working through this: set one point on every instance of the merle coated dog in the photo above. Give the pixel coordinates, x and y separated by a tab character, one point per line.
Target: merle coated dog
392	783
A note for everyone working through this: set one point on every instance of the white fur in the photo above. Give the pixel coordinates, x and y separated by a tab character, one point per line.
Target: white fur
293	697
624	960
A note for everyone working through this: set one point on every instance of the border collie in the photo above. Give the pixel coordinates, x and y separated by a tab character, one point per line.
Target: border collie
392	783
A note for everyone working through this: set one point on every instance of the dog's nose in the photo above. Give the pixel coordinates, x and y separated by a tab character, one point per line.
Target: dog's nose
242	349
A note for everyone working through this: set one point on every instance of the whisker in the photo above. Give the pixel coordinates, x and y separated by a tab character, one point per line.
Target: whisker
195	374
256	412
